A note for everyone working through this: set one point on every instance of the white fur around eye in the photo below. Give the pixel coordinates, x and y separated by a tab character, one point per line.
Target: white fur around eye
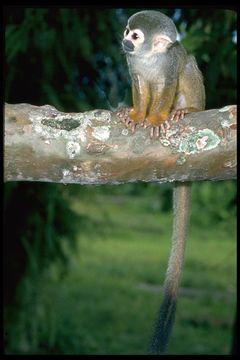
137	36
126	32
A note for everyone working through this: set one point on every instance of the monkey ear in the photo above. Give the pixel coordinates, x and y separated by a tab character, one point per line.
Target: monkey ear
160	43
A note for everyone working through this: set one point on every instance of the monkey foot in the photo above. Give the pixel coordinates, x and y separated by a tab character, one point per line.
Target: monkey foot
155	130
178	114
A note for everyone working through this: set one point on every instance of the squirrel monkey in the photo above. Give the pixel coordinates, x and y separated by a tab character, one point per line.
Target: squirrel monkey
166	84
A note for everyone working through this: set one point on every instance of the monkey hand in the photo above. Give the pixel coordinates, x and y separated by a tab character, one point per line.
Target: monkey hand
123	114
137	116
130	117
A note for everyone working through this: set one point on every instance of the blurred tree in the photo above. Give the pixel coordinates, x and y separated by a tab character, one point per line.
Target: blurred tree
37	220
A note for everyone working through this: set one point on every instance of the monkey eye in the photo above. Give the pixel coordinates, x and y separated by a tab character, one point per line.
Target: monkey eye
126	32
135	36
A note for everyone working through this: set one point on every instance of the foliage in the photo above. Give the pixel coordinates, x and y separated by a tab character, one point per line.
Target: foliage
213	202
67	61
37	223
210	37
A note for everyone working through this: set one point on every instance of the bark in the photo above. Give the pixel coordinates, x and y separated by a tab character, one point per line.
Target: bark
94	147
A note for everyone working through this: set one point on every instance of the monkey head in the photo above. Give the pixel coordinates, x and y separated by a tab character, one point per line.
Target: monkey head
148	32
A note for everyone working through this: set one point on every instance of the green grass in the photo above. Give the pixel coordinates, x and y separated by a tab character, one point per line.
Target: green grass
106	303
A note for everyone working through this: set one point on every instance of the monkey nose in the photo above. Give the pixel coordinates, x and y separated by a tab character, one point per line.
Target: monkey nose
127	45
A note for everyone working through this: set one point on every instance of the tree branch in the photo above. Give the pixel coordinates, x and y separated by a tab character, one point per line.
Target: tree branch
94	147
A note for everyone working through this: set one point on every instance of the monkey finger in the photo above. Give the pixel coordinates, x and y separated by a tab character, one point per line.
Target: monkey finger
172	115
120	113
123	120
123	114
176	115
127	122
152	132
162	128
183	113
157	131
133	127
167	125
146	124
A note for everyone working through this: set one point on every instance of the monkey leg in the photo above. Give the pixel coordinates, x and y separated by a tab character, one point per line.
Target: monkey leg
160	107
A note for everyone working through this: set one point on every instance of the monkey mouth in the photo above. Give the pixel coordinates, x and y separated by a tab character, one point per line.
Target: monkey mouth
127	46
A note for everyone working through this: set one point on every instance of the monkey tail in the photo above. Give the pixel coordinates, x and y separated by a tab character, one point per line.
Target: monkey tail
166	316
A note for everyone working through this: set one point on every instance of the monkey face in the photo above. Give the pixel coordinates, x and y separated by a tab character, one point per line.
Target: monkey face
136	42
148	33
132	40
